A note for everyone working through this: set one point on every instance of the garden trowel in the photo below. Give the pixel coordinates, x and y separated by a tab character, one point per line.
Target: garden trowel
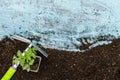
10	72
29	42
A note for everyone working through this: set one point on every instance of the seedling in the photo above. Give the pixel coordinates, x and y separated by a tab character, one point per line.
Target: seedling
25	59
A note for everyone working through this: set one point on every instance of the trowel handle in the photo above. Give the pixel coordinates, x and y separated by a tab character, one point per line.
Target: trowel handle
8	75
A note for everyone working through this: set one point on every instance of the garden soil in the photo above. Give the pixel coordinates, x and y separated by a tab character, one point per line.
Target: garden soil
99	63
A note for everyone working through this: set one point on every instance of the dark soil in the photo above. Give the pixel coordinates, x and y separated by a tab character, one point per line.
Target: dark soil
99	63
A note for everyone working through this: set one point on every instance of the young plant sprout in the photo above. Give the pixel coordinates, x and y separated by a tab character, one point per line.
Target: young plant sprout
25	59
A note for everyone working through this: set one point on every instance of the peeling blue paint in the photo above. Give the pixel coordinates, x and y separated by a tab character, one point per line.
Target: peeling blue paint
62	24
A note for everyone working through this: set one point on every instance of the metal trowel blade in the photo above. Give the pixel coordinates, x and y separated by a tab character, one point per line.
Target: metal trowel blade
21	39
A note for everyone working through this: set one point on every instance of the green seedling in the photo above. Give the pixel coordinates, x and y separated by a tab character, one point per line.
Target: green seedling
25	59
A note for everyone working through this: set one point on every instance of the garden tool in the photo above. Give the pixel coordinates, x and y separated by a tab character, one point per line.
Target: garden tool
29	42
10	72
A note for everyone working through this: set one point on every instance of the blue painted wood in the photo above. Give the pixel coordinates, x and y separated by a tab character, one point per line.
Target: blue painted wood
61	24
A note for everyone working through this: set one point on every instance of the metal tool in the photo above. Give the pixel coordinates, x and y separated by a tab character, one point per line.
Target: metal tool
11	71
29	42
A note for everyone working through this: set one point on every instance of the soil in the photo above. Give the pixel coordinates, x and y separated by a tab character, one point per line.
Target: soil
99	63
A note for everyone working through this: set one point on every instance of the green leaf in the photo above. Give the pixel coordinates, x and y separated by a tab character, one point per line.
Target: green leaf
13	62
33	55
16	61
31	62
22	62
25	67
28	58
14	57
34	48
28	69
19	53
